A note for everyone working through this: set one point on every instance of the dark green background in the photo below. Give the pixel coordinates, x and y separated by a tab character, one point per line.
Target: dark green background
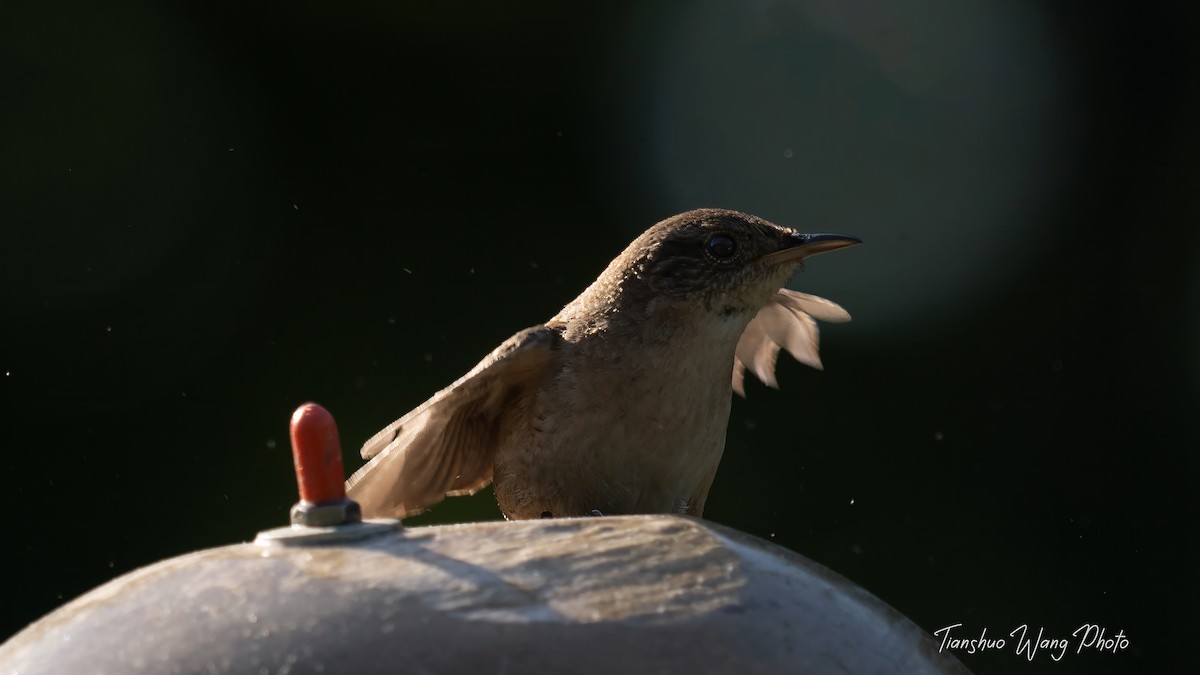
213	212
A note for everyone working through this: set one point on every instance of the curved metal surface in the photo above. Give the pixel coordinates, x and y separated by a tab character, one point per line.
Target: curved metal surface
666	594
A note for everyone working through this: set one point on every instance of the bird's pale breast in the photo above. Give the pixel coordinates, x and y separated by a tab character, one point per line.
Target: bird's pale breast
638	433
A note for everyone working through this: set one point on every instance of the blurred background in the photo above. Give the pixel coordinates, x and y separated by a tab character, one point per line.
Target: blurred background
211	212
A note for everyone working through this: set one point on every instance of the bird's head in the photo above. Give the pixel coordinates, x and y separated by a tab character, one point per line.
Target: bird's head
730	262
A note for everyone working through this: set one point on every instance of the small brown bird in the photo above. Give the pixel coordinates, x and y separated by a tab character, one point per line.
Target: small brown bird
619	404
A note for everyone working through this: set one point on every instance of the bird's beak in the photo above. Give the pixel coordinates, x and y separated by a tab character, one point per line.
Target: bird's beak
800	246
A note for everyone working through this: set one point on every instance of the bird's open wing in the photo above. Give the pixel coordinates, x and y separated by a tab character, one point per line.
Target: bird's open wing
448	444
787	321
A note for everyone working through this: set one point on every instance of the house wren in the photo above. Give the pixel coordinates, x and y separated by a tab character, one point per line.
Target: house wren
619	404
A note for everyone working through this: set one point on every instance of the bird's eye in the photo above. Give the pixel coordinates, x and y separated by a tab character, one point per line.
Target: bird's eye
721	246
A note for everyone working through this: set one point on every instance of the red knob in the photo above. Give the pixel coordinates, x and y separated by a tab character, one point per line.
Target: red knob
317	454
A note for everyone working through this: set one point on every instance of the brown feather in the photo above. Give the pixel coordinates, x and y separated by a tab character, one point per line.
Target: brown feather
447	445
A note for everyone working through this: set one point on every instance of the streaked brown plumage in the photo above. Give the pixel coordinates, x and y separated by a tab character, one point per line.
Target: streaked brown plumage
618	404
